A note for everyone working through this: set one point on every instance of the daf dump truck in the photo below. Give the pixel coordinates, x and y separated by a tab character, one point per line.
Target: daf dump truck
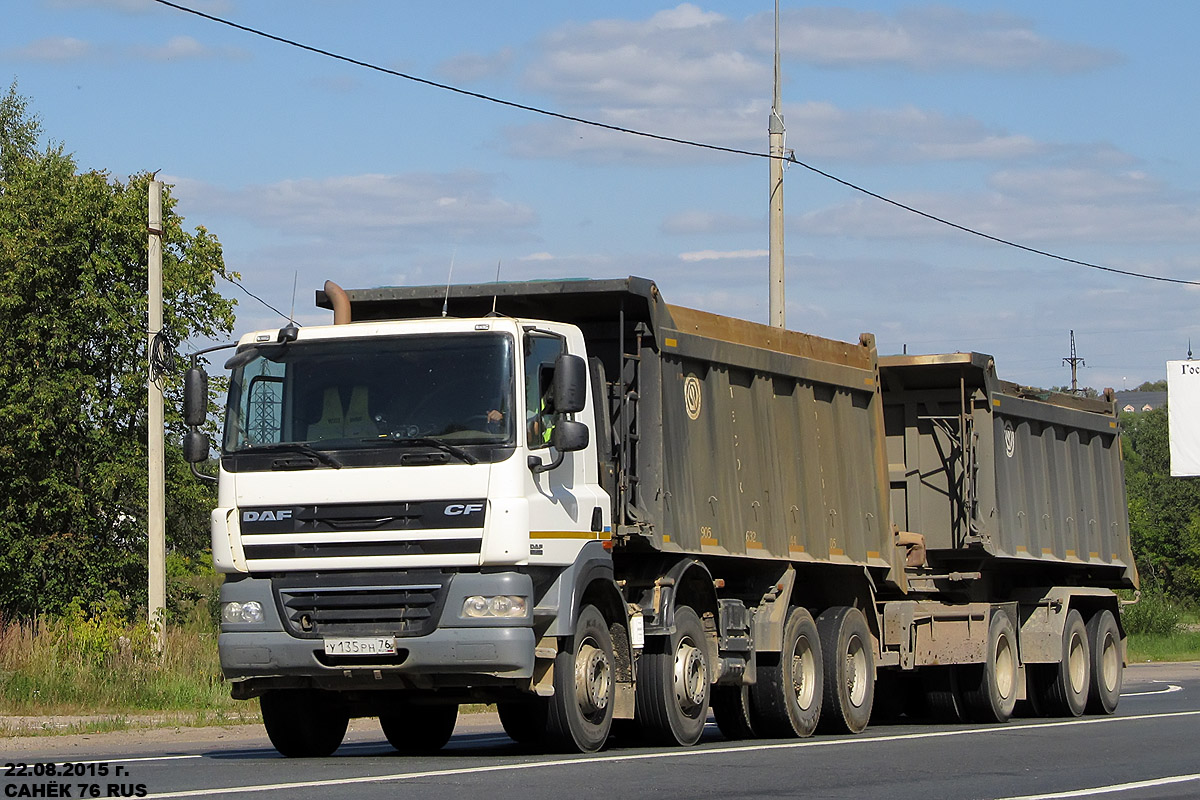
582	504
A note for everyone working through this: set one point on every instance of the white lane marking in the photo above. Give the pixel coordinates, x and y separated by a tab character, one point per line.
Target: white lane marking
693	753
1112	788
1171	687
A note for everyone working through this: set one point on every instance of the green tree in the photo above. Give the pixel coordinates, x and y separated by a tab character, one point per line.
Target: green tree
73	372
1164	512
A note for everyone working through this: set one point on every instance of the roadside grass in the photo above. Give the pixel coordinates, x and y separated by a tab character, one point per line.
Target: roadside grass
97	663
1161	629
1178	646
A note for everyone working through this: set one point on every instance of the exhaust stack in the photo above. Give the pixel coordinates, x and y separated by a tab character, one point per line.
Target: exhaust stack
341	303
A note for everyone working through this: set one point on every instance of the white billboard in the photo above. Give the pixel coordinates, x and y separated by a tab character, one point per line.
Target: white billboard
1183	415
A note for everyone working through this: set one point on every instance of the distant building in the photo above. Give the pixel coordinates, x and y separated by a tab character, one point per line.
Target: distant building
1140	401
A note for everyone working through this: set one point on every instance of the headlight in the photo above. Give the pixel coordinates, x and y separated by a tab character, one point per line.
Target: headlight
251	611
499	606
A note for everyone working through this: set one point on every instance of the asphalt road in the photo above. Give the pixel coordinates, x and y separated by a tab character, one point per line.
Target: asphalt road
1149	749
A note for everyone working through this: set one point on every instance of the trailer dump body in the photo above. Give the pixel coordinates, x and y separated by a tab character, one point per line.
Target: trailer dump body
995	474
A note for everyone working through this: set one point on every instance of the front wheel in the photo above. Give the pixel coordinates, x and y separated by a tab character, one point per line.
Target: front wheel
674	683
581	710
418	729
302	723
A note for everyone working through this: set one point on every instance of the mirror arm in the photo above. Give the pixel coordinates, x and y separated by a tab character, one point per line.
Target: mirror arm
537	467
201	476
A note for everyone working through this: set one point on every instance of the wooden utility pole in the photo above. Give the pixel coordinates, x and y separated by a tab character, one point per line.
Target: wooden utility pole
156	507
776	309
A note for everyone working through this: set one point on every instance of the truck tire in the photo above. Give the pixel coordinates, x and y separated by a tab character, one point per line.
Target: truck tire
303	723
1104	642
786	700
990	689
581	710
524	721
417	730
731	707
674	683
1062	688
849	666
942	694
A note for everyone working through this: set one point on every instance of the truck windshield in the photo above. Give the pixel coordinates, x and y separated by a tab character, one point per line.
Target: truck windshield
445	391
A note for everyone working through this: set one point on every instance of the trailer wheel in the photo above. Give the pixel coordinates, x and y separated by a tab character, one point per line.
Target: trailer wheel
990	689
419	729
674	682
731	707
524	721
788	696
1104	641
849	665
1062	688
942	693
580	712
302	723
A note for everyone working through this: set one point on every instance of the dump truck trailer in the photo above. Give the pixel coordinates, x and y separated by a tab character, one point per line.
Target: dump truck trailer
585	505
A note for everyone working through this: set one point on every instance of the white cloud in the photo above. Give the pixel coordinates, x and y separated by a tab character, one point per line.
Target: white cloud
928	38
722	255
53	48
372	207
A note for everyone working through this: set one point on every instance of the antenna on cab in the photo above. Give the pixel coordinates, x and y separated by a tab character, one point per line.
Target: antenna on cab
449	277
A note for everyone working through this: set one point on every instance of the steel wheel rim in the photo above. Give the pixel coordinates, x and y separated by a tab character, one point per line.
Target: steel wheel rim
1077	664
804	673
856	672
1110	664
691	677
593	679
1006	668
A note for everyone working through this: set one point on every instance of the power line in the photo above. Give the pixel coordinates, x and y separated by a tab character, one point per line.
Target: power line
791	157
256	297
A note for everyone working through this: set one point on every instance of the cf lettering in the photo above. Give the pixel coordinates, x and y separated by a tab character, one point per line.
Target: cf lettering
459	509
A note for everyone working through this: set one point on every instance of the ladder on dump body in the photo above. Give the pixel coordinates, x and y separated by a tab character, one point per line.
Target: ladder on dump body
626	395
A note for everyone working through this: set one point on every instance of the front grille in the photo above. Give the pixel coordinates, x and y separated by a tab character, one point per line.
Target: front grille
361	604
424	547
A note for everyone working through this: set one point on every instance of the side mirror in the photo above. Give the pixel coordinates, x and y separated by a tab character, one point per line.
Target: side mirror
569	436
195	397
195	447
570	384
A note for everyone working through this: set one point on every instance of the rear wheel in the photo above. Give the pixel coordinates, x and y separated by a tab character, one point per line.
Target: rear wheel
990	689
731	707
417	729
849	667
1104	641
942	694
580	712
674	682
787	698
1062	688
304	723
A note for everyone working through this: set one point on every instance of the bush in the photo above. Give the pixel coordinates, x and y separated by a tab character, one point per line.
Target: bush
1155	613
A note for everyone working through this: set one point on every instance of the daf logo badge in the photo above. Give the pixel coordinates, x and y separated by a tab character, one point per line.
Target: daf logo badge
267	516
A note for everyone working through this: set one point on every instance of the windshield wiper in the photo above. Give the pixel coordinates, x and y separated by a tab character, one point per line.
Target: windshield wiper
426	441
297	447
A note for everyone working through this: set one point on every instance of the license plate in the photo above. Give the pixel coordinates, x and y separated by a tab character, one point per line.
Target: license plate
361	646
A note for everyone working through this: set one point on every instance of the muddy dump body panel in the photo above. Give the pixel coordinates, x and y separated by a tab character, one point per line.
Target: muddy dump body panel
725	438
1000	477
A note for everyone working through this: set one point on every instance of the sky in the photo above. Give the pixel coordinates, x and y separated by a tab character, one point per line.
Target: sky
1068	127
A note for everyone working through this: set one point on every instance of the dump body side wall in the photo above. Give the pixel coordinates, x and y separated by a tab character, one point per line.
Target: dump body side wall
1037	483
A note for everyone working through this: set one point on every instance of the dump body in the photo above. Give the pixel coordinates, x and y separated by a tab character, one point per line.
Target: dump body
995	475
724	437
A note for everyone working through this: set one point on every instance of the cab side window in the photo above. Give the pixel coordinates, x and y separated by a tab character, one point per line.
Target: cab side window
541	351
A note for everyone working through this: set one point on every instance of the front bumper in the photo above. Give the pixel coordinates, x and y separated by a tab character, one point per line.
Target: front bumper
456	652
